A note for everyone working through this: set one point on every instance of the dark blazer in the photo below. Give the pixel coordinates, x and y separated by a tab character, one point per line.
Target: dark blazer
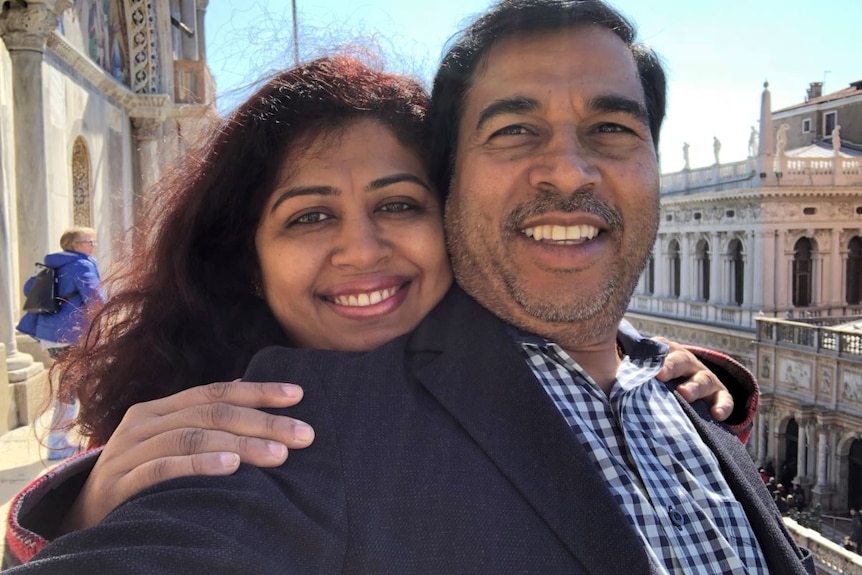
437	453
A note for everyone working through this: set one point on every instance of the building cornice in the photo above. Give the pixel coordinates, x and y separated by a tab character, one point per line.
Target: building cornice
817	106
763	194
145	106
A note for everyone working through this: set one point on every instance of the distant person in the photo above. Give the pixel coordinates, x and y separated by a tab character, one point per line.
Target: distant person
78	284
855	529
799	496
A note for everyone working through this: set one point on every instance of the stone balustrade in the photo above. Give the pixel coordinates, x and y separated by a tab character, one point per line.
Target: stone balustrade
787	171
729	176
830	557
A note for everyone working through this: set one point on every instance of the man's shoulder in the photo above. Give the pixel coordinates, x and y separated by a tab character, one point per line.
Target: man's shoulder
329	365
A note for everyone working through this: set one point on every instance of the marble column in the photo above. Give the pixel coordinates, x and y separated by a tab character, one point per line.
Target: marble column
24	29
811	456
818	283
801	445
189	16
199	31
754	272
715	271
686	263
837	270
760	435
821	458
148	134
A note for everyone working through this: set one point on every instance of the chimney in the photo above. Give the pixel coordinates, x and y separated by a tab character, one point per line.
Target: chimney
815	90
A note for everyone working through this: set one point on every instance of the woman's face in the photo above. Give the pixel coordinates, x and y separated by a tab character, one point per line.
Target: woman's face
351	243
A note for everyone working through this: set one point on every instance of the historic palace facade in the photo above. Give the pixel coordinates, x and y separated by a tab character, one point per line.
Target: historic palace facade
746	249
95	96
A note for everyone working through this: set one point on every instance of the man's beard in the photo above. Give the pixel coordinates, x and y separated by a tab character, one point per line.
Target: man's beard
595	312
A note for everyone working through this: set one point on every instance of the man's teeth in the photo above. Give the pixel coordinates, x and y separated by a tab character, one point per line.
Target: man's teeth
561	233
365	299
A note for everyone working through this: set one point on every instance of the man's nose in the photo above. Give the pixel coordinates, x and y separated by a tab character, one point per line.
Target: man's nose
360	244
566	164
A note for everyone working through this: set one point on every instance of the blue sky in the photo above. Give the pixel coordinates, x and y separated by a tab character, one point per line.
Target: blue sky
718	52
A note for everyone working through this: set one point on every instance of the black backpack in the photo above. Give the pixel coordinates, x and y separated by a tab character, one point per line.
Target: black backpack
42	297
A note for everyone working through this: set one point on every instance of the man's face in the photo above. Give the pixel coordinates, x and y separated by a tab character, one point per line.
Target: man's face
553	206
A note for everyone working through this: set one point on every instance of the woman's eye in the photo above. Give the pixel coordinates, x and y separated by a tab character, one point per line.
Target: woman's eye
311	218
397	207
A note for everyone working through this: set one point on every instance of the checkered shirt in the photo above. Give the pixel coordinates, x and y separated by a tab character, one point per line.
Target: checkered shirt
665	479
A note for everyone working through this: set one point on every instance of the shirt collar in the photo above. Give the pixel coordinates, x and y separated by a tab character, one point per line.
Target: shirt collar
633	344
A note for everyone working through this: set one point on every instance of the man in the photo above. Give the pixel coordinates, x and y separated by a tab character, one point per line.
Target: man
537	444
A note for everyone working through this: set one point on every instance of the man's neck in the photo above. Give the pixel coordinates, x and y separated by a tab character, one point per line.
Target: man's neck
600	362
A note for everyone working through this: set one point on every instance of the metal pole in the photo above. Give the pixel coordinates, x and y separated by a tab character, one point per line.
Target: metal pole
295	34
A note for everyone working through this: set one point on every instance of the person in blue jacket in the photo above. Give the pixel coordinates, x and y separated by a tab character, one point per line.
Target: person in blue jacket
78	285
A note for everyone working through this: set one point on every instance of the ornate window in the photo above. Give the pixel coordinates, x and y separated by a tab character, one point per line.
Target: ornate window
737	271
703	264
853	289
802	272
674	267
649	282
82	213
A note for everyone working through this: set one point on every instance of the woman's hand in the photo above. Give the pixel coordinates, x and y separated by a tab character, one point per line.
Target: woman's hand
701	384
205	430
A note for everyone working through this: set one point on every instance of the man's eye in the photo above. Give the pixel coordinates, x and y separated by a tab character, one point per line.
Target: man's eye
515	130
311	218
612	129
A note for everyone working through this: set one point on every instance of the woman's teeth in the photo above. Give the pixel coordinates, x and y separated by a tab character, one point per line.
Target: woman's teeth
365	299
561	233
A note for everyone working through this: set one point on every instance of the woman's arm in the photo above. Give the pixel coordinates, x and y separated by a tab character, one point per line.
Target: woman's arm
208	430
205	430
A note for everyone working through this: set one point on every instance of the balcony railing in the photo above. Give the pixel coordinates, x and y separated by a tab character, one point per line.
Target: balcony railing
698	311
827	339
733	175
784	171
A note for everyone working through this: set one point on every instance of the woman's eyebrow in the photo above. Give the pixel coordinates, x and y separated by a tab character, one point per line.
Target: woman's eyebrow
394	179
304	191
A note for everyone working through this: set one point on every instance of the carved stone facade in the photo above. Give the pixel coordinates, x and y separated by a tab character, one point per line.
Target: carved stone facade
88	115
774	240
810	419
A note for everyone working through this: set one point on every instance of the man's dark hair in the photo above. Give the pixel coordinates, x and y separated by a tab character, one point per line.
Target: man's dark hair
508	18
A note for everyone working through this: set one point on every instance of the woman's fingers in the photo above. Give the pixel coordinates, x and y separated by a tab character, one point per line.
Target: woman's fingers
243	422
239	393
699	382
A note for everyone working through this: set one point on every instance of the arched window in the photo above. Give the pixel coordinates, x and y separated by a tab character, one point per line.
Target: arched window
853	290
802	271
737	271
649	273
703	263
81	183
674	267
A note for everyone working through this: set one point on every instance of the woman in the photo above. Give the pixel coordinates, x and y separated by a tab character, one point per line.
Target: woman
78	284
309	221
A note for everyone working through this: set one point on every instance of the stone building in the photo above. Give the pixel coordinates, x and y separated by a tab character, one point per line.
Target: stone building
770	240
95	97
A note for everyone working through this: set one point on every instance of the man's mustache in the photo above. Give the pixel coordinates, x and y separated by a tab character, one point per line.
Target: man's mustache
578	201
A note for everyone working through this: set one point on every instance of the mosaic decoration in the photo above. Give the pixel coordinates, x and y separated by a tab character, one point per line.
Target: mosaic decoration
143	40
81	183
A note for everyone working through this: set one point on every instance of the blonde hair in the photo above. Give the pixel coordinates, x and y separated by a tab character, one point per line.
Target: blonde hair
73	234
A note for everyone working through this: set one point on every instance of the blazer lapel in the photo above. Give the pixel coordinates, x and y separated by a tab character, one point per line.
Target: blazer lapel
462	354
